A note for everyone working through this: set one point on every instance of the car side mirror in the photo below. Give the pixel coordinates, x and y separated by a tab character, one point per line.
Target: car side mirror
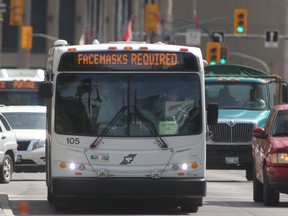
259	133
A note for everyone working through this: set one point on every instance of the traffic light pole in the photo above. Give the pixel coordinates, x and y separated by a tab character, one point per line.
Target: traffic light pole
251	58
25	54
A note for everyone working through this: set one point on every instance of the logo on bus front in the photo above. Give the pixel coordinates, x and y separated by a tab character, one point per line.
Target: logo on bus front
128	159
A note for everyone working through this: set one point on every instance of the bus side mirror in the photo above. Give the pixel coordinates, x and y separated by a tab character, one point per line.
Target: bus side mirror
284	93
46	89
212	113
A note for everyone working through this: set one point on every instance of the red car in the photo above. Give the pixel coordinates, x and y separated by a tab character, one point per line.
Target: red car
270	158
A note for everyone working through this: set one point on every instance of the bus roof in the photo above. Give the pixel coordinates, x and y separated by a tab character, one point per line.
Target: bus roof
22	74
123	45
231	70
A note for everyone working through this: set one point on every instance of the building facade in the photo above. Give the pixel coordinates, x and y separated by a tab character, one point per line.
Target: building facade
81	21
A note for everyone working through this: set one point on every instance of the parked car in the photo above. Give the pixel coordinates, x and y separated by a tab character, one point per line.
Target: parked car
270	157
29	125
8	150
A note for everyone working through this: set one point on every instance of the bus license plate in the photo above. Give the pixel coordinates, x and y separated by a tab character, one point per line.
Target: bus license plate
231	160
100	157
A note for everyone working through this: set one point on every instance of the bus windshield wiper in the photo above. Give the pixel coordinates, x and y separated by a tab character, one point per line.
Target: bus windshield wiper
150	125
108	127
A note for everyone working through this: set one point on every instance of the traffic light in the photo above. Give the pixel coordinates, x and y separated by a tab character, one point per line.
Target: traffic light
213	53
224	55
16	12
240	21
26	37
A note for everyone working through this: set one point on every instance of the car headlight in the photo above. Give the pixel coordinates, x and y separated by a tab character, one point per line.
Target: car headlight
38	144
279	158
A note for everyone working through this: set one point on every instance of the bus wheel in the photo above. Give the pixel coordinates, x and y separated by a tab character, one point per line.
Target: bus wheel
6	170
49	195
188	206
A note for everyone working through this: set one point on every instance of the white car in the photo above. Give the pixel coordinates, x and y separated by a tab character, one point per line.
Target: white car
8	150
29	125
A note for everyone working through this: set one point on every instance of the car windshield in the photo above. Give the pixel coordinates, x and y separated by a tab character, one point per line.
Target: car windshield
26	120
281	124
251	96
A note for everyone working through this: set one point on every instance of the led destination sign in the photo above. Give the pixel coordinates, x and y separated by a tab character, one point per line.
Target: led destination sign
17	84
128	60
142	59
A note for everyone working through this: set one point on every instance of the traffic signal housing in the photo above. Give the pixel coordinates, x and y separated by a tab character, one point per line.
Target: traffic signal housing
240	21
16	12
223	55
26	37
213	53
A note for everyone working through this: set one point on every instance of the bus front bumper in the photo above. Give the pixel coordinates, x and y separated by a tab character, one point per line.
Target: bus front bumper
129	187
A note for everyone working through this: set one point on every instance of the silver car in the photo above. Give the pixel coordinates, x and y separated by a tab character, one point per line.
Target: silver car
29	125
8	150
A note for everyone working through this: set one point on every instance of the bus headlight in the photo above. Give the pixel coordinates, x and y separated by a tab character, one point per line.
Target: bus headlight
184	166
72	166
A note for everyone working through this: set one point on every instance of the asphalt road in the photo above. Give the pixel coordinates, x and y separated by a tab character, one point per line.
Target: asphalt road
228	193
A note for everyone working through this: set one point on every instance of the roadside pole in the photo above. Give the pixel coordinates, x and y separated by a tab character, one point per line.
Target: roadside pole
1	30
24	56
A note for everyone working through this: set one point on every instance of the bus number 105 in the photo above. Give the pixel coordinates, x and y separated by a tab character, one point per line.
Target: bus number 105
71	140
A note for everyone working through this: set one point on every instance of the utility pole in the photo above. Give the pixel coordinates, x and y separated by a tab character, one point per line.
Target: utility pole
24	56
1	34
195	17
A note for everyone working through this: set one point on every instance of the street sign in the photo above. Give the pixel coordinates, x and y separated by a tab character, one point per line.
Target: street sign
218	36
193	37
271	38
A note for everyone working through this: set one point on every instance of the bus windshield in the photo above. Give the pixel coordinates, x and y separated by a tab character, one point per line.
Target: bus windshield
21	98
251	96
126	105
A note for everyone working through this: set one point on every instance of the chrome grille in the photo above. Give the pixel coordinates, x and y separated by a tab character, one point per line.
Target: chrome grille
240	132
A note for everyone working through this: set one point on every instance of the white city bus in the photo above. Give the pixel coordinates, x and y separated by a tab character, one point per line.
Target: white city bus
113	129
20	86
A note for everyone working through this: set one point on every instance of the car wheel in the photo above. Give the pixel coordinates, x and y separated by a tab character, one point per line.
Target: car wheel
6	170
257	189
270	197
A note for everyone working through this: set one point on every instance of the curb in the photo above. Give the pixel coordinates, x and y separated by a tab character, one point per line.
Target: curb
5	208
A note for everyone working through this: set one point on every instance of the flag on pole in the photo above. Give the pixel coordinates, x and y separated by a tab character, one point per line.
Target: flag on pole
128	34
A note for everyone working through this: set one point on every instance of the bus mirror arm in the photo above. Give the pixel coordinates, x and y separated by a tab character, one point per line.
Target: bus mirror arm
285	92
